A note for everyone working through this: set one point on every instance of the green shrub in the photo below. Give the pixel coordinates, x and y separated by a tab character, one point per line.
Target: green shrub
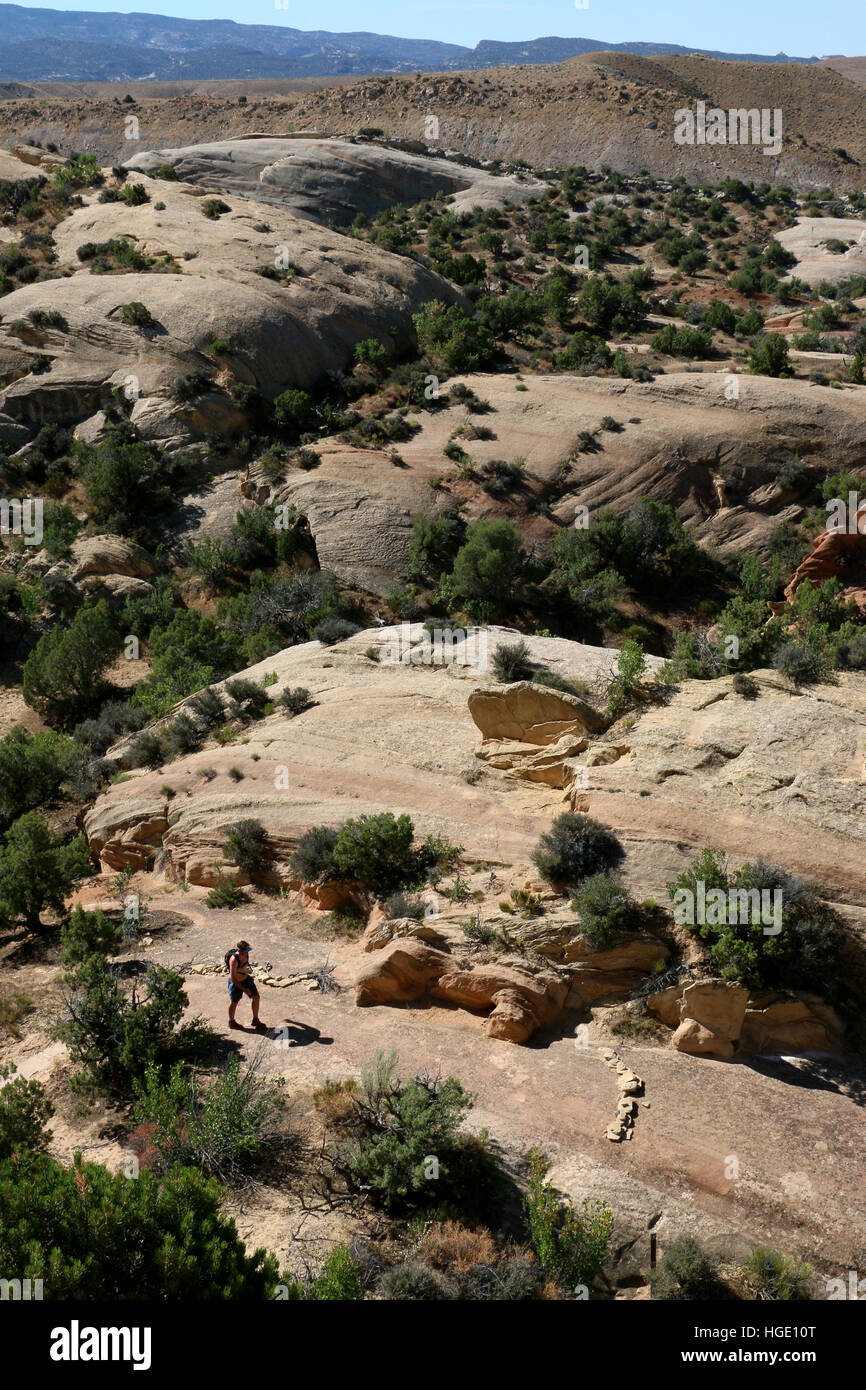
292	409
574	848
24	1112
157	1238
451	341
413	1281
225	892
395	1128
214	561
571	1244
246	845
585	353
221	1128
190	652
375	850
435	543
38	871
89	934
114	1030
488	566
799	662
207	707
630	666
778	1277
147	750
512	661
48	318
182	736
248	698
607	305
191	386
769	356
686	1273
61	675
61	526
401	905
136	314
803	954
372	352
338	1280
605	908
33	768
125	482
333	630
214	208
683	342
295	701
314	857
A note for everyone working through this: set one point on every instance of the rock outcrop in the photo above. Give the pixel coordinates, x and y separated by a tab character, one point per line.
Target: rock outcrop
520	1000
711	1018
807	240
699	770
203	287
837	554
401	972
681	437
331	181
714	1019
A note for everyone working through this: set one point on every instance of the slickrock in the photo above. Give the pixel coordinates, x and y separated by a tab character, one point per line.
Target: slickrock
330	181
279	334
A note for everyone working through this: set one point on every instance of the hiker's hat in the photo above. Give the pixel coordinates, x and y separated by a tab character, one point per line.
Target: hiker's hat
243	945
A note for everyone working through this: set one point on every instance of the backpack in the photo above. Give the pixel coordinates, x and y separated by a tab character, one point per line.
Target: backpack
228	955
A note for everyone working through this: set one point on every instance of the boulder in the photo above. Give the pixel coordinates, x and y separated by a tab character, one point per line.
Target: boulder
666	1004
511	1019
531	714
787	1024
108	555
12	435
521	1001
132	836
694	1038
119	587
716	1005
712	1014
401	972
597	977
526	761
92	430
380	934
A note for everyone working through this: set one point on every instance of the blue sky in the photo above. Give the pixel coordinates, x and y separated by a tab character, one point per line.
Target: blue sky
799	27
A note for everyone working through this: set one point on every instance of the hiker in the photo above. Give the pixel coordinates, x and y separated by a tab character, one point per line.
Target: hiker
241	982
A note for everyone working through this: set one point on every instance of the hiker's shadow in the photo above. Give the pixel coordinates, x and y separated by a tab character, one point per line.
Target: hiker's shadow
294	1034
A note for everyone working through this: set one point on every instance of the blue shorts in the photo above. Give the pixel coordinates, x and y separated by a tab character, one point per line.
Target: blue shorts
236	993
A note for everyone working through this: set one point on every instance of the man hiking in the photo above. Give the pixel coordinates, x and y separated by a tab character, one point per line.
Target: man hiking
241	982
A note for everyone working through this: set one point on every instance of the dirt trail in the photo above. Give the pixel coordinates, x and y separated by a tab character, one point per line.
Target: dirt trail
741	1153
790	1130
